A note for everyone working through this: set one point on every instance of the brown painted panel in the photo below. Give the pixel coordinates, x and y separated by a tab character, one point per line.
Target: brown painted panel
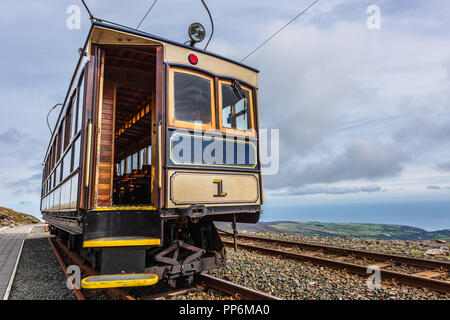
106	145
158	137
89	112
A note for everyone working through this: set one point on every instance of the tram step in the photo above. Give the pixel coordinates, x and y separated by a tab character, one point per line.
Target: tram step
121	242
119	280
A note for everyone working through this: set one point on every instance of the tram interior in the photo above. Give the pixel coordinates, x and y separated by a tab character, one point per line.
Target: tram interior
132	71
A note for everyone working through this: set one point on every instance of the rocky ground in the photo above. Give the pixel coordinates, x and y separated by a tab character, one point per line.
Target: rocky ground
428	249
291	279
12	218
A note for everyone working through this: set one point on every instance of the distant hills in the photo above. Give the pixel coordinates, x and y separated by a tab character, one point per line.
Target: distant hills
356	230
11	218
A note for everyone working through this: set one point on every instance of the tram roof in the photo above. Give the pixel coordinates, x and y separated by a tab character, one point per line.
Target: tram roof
117	27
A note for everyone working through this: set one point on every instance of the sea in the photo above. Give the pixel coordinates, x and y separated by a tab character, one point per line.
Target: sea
428	215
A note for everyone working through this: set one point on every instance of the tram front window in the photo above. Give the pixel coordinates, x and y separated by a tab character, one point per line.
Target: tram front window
235	110
192	99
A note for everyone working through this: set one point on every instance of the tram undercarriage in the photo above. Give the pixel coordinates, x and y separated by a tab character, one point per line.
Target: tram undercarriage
189	248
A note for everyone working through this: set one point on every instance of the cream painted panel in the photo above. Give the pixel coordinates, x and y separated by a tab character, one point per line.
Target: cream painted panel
175	54
102	35
194	187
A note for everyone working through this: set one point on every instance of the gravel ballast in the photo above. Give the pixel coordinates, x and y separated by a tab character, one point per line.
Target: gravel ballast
426	249
39	275
291	279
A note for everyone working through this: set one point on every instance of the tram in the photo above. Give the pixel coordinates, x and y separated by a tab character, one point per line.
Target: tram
155	141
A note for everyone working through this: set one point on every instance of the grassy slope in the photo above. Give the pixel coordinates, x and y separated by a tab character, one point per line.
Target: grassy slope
12	217
357	230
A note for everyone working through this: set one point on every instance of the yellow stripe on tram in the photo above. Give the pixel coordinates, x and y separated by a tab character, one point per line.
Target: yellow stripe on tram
124	208
119	280
121	242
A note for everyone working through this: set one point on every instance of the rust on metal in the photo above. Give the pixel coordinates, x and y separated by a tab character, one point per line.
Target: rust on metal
236	290
431	274
382	264
163	295
114	293
76	291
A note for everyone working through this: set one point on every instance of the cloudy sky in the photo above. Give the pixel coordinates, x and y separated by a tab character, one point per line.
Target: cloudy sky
363	113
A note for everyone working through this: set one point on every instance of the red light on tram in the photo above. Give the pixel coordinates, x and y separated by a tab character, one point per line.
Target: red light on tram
193	59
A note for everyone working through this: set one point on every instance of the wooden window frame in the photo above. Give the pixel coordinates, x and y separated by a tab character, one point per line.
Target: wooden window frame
54	160
74	114
59	142
246	133
80	102
67	127
187	124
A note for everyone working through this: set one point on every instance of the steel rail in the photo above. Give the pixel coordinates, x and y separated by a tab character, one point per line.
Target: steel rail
419	262
114	293
413	280
76	291
237	291
172	293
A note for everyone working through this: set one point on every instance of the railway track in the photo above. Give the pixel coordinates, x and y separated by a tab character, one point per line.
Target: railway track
202	282
425	272
235	290
60	249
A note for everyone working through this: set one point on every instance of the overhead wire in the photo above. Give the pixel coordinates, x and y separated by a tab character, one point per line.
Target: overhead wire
281	29
145	16
48	124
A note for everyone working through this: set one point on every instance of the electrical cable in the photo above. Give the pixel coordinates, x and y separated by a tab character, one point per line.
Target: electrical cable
87	9
212	24
48	124
298	15
145	16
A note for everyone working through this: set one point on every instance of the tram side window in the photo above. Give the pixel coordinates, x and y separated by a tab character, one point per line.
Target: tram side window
58	174
67	130
67	165
58	146
135	161
122	167
145	156
129	165
141	158
80	102
53	156
235	110
73	124
76	154
192	98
